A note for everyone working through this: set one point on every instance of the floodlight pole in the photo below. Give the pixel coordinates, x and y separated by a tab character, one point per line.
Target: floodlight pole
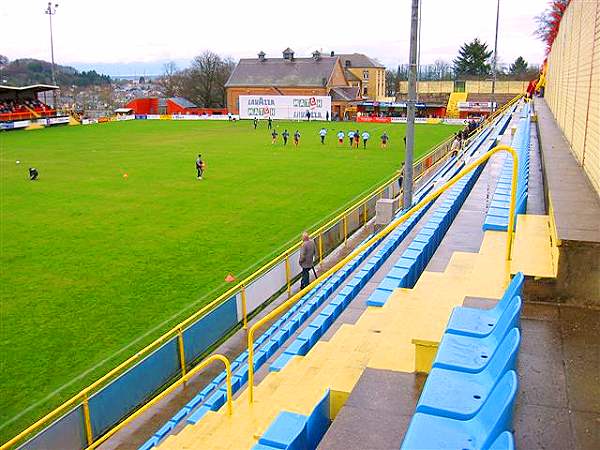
51	11
495	61
407	184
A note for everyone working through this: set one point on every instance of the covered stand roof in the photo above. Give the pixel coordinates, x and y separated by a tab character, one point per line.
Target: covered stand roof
34	88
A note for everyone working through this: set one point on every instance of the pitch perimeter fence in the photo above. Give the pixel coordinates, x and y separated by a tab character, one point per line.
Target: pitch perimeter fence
100	407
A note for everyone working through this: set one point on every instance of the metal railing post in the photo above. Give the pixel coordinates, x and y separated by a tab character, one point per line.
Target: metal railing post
320	248
365	213
181	351
345	229
244	307
87	420
287	274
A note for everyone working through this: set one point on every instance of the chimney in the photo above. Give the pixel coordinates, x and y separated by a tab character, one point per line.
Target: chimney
288	54
261	56
332	53
316	55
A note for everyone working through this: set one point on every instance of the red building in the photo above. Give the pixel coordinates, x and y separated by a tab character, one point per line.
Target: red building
171	105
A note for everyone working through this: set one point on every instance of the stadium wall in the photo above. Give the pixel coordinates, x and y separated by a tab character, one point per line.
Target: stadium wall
471	86
573	83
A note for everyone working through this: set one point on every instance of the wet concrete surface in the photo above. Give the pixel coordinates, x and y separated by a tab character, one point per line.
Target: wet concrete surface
558	403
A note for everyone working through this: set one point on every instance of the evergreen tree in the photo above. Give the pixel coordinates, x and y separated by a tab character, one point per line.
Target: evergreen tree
473	59
519	67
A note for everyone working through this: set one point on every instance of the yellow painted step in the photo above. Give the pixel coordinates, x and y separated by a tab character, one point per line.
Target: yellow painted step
532	251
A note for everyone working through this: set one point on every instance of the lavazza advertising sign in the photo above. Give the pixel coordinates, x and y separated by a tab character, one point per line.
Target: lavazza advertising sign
291	107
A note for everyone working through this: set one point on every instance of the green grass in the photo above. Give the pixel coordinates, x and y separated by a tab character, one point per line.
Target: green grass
95	266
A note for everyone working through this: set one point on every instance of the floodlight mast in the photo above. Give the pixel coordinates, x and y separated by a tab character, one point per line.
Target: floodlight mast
407	183
495	61
50	11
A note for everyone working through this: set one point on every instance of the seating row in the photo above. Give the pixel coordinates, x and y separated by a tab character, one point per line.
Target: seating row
415	258
498	212
468	398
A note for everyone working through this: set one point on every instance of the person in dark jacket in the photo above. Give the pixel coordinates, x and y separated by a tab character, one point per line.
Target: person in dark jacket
199	166
307	259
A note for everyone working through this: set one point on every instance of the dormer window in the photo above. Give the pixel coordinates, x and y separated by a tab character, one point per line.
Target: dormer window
288	54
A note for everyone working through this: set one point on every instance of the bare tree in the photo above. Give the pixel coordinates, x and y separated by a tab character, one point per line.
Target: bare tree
204	82
442	70
170	80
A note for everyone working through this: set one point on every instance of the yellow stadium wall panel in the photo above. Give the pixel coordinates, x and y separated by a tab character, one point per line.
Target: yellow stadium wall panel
573	83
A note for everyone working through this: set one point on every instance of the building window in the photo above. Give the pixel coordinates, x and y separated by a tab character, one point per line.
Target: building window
365	91
365	74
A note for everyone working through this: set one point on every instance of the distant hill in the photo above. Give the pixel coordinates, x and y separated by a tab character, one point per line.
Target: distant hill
21	72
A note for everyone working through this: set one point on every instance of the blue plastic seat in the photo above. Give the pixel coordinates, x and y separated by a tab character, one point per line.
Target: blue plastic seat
480	322
434	432
288	430
460	395
472	354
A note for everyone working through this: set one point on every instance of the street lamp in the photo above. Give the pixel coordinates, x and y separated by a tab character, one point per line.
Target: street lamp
51	10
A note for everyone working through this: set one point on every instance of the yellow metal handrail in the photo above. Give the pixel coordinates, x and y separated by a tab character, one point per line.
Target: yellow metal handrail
383	233
167	391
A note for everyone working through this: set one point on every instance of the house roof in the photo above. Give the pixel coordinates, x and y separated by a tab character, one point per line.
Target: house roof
183	102
345	94
359	60
279	72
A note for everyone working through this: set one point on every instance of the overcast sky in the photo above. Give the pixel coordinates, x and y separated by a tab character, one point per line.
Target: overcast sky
125	31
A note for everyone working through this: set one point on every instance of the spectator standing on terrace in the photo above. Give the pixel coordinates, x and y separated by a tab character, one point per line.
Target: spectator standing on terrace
401	177
327	116
307	259
323	133
455	146
365	138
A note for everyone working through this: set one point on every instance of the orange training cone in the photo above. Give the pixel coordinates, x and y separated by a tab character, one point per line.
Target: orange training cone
230	278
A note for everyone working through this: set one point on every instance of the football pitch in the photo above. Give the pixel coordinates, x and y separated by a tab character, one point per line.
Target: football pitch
95	265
